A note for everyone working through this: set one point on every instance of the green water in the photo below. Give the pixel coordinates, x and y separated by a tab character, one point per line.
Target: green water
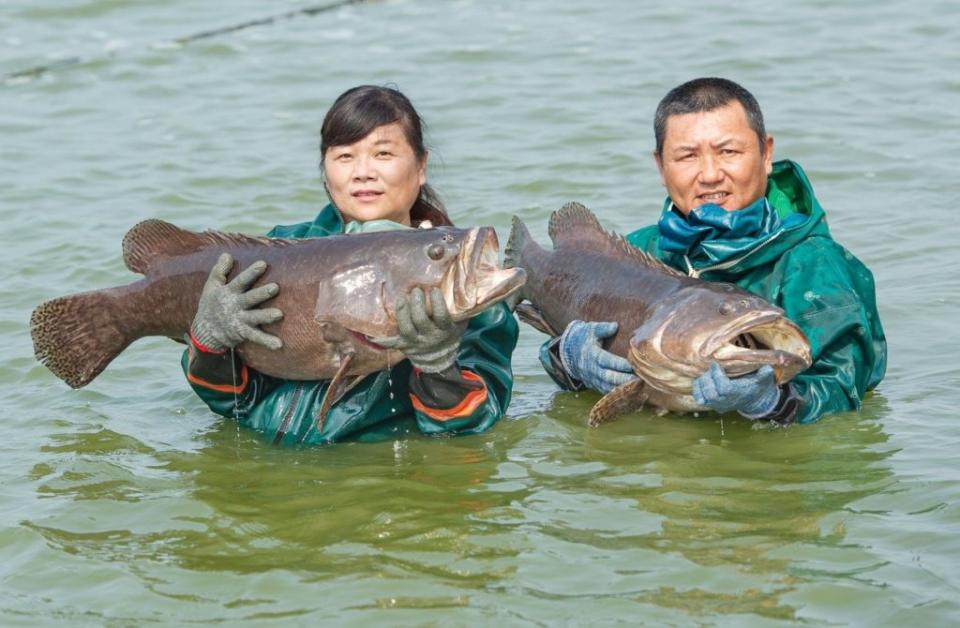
128	503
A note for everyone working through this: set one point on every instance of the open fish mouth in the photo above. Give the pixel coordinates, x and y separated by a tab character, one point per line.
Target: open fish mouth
477	280
756	339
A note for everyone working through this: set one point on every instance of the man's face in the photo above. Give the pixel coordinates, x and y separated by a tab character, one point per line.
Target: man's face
714	157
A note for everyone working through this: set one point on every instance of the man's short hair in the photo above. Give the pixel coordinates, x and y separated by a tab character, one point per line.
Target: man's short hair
706	94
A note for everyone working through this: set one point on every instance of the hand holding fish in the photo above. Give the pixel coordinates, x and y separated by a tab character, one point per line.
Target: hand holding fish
585	359
226	313
429	342
753	396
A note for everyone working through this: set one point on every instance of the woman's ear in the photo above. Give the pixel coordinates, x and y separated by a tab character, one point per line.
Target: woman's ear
422	173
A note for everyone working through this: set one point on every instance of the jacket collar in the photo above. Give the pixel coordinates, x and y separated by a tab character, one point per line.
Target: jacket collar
734	244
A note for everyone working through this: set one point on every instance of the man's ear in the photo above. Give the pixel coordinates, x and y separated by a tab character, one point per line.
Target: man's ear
768	154
659	161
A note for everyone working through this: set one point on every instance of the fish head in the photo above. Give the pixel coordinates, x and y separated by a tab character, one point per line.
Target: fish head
475	280
361	295
716	322
463	264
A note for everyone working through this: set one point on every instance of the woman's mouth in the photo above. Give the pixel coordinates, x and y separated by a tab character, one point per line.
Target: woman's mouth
366	195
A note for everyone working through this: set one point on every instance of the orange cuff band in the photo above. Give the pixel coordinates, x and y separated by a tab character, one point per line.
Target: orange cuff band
224	388
467	406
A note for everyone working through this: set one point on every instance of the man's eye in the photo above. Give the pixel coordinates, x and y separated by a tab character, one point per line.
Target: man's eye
384	153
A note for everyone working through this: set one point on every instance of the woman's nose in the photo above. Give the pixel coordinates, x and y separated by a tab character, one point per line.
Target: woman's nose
363	169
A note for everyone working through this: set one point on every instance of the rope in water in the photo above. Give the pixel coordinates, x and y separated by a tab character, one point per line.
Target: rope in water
59	64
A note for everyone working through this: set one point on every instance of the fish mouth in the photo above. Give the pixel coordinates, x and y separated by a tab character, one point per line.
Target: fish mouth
756	339
367	341
477	280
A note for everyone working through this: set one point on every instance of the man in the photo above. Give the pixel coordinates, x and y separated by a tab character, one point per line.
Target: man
734	215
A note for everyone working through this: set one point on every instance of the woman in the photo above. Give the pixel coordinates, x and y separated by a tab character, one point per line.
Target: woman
456	378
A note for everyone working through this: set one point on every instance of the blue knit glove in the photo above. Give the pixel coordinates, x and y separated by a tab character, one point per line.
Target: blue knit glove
753	396
584	358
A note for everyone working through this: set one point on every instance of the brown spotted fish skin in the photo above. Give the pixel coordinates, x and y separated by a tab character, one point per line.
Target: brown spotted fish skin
335	292
670	326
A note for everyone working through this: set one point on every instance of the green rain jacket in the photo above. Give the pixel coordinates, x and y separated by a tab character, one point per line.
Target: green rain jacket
382	405
820	285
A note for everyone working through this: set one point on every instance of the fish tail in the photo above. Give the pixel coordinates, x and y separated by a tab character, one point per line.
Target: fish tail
78	335
516	243
513	256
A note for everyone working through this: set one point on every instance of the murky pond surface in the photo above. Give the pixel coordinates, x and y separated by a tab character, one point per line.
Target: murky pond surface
129	503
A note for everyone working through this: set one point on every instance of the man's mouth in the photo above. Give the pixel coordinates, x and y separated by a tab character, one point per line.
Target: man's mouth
717	198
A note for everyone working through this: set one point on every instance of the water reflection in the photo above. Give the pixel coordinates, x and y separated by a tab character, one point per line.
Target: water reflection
692	514
684	514
418	508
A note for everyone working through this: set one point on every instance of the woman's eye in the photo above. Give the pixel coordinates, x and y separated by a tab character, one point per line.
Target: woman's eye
343	157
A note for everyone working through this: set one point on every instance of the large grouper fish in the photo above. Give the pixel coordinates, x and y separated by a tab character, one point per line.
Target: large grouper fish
671	326
335	292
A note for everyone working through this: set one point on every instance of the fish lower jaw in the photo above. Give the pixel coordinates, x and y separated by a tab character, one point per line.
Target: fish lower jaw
488	288
737	361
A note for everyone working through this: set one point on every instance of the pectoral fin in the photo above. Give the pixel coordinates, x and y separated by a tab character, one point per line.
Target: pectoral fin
338	387
531	315
623	399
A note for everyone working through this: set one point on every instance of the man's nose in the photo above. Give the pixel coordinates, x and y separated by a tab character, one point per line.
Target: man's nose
711	170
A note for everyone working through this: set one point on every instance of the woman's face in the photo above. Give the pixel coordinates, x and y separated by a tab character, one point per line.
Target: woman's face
376	177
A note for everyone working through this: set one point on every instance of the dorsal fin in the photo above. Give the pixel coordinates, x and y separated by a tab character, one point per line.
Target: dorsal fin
574	224
152	239
573	221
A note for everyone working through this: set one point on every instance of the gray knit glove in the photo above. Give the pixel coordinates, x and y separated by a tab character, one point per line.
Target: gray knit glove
226	315
430	343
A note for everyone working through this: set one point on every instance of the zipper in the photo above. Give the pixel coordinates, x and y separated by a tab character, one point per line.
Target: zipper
288	415
695	273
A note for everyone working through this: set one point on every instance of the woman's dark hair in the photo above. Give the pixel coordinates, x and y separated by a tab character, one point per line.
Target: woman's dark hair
360	110
706	94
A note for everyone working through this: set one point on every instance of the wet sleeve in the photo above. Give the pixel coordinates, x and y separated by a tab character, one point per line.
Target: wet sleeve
550	359
831	296
470	397
285	411
223	382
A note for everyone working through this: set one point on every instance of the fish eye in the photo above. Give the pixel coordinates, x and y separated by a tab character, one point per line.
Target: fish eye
727	308
435	252
744	303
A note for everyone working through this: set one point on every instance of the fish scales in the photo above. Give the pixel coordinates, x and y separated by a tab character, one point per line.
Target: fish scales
671	327
335	292
581	281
